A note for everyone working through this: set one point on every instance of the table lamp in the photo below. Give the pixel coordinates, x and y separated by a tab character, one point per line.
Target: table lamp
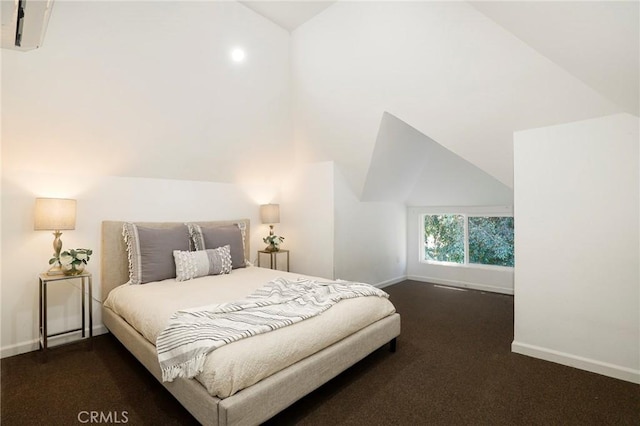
270	214
55	214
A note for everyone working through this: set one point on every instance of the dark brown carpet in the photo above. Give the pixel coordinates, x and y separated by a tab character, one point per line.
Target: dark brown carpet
453	367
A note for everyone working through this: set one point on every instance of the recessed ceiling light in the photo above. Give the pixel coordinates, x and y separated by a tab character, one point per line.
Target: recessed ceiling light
237	55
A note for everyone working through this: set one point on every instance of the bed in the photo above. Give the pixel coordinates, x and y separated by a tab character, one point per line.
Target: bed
241	405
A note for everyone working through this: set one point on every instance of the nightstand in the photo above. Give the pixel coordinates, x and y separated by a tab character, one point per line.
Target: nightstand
273	257
45	280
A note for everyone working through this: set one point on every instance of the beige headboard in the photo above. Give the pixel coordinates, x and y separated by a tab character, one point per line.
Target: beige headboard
114	265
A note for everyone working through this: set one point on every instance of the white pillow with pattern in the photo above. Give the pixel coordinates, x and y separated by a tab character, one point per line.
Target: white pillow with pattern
194	264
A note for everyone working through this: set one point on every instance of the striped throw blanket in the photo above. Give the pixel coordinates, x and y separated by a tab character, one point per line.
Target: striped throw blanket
193	333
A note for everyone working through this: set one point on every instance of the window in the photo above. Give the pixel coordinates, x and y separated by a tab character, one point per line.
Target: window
464	239
491	240
444	238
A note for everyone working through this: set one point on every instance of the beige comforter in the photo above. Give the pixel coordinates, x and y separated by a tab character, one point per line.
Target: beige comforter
238	365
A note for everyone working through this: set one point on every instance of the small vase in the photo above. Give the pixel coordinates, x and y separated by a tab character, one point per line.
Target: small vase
73	269
272	248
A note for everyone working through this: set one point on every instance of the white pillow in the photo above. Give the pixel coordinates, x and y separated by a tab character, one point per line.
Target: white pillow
194	264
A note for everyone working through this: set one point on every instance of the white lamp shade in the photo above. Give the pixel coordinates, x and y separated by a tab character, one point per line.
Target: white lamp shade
270	213
55	214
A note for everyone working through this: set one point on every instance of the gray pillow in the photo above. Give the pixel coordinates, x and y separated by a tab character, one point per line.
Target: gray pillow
219	236
151	251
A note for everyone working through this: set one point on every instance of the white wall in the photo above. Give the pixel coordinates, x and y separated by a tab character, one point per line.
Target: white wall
136	110
499	280
148	89
332	234
369	238
577	279
99	198
306	218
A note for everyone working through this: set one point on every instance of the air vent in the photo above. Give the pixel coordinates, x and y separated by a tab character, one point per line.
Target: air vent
24	23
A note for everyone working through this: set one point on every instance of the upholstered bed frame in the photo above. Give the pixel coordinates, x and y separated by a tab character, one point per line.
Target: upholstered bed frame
256	403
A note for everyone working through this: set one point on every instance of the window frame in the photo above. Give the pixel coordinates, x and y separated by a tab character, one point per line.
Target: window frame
466	216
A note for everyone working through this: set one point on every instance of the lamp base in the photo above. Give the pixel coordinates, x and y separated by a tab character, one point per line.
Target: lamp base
55	270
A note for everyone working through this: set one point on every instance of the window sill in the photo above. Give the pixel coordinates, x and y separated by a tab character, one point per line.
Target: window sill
468	265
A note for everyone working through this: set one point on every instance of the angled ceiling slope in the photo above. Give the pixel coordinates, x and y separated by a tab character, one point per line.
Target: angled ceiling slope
409	167
597	42
288	14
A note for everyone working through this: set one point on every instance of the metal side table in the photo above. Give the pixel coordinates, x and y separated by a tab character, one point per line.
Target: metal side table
273	257
87	305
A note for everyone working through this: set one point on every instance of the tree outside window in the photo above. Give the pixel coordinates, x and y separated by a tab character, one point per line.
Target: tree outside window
488	240
444	238
491	241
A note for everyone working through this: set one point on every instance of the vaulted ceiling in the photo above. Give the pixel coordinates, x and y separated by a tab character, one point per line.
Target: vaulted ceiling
596	41
463	75
288	14
429	173
389	91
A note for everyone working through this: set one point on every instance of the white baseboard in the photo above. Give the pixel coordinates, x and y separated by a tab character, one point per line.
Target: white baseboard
599	367
393	281
462	284
34	345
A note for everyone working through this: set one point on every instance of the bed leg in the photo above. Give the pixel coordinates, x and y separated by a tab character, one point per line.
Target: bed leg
393	344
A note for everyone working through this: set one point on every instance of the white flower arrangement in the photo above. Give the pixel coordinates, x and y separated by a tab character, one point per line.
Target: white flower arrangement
73	260
274	242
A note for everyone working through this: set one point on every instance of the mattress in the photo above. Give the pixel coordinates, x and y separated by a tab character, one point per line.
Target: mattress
238	365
